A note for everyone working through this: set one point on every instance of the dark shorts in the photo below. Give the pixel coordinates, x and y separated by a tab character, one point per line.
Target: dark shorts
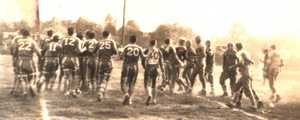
104	67
25	66
273	72
69	63
151	71
51	65
209	69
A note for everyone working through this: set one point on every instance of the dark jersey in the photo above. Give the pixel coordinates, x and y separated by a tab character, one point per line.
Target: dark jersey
163	51
70	46
90	46
200	54
52	49
181	53
190	54
230	59
170	55
106	49
132	53
209	60
44	44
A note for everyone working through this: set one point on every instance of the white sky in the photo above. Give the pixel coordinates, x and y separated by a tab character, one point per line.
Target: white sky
208	17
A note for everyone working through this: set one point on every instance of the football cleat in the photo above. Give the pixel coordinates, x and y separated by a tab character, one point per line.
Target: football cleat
100	97
148	100
260	104
126	100
202	92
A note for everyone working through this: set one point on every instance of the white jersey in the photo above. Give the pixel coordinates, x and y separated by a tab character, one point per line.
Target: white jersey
275	59
153	56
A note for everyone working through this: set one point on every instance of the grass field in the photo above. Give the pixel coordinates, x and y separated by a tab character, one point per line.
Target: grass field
55	106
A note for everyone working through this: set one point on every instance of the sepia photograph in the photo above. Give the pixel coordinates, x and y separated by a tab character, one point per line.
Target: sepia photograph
149	60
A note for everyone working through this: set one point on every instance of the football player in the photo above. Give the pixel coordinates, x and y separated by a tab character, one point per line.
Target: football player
275	62
43	44
190	63
69	61
244	83
229	59
13	51
198	70
106	49
25	49
82	56
152	61
209	65
181	53
171	61
51	53
89	60
131	55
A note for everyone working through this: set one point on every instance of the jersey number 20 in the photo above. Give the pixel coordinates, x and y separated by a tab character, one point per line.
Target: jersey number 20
133	51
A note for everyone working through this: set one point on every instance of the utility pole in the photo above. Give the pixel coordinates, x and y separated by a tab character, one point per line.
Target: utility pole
37	16
123	26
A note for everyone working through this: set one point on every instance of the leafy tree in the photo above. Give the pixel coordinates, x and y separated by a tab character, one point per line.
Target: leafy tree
110	25
20	24
131	28
172	31
82	25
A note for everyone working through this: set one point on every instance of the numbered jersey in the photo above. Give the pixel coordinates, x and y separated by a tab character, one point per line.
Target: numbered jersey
52	49
107	48
26	47
70	46
181	53
153	56
132	54
91	47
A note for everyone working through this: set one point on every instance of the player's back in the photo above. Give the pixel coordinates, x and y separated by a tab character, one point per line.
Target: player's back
91	46
53	49
107	48
25	47
132	53
70	46
153	56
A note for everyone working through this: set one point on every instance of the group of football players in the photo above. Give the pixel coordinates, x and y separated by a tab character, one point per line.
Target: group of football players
82	55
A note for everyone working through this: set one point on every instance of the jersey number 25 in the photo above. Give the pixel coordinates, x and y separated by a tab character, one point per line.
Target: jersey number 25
104	45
